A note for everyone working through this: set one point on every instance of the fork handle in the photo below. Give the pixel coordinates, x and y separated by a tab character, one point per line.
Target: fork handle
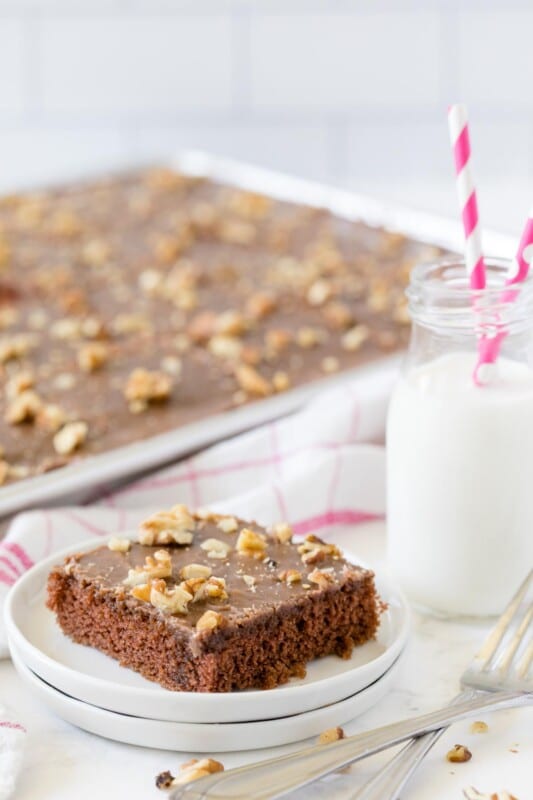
391	779
276	777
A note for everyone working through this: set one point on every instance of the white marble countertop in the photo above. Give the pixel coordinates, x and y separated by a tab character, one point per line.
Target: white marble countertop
63	762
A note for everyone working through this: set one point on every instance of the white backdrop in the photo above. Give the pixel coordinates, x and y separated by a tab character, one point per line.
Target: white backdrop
352	91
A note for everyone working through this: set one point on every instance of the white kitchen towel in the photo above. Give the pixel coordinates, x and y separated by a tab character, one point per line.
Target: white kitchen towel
12	737
322	469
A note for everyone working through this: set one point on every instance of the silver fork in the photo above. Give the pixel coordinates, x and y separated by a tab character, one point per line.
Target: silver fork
278	776
502	663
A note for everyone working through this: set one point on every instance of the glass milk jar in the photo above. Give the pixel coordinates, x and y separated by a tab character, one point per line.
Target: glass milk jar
460	455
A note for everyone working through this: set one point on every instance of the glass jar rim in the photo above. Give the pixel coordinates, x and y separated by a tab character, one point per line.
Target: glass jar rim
440	295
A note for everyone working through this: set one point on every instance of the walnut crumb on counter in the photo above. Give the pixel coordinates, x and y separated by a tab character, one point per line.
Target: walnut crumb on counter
331	735
458	754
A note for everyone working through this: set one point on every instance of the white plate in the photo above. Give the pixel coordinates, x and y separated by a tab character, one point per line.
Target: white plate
198	738
93	677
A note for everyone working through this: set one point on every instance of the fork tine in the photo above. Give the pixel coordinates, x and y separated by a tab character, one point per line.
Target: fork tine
524	663
490	646
512	647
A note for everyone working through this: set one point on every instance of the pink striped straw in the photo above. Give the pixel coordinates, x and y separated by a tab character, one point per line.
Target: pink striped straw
489	348
524	255
458	125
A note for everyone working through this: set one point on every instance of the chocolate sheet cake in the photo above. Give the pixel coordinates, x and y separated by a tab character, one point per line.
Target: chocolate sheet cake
213	604
135	304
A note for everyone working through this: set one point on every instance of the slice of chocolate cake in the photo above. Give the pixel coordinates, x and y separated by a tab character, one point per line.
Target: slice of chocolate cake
210	603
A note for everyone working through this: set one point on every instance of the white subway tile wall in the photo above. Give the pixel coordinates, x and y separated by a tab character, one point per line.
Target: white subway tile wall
347	91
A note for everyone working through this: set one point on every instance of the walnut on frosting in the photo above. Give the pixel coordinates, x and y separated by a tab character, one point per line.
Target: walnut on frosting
157	566
323	578
209	621
216	548
173	600
70	437
228	524
145	386
195	571
168	527
118	545
282	532
313	550
251	543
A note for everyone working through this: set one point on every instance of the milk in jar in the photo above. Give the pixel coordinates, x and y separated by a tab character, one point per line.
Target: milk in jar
460	455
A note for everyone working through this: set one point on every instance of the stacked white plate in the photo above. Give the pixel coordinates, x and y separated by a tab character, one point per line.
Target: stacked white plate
92	691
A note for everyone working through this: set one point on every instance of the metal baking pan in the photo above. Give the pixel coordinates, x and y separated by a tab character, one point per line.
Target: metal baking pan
79	481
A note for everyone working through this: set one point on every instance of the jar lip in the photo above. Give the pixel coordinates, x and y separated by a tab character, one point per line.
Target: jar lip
438	279
440	296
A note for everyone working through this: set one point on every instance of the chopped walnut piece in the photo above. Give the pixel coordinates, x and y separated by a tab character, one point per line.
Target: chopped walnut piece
147	386
355	337
96	253
66	328
471	793
330	364
142	592
16	346
338	315
70	437
93	356
322	578
164	780
290	576
216	548
51	417
167	527
118	545
230	323
458	754
172	601
23	408
277	340
64	223
191	771
202	327
129	323
228	347
209	621
251	543
215	588
250	581
4	471
19	383
309	337
172	365
319	292
479	727
195	571
281	381
228	524
150	280
236	231
260	305
331	735
313	550
282	532
157	566
8	315
251	381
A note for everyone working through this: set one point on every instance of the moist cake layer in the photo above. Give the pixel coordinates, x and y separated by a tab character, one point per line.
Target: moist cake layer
254	618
